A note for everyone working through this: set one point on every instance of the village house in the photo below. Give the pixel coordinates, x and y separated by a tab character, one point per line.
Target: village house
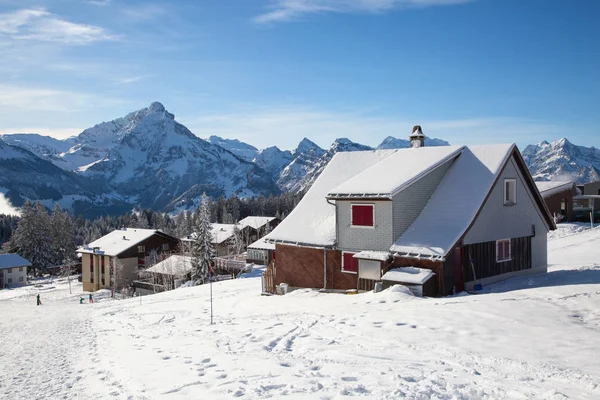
13	270
167	274
256	227
260	252
115	259
586	205
558	196
469	214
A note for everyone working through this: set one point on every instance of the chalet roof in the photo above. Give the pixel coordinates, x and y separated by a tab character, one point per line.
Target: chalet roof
373	255
176	265
220	233
261	244
455	203
548	188
445	219
118	241
255	222
412	275
312	221
13	260
395	172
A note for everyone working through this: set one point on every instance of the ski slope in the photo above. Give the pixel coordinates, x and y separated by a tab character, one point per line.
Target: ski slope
533	337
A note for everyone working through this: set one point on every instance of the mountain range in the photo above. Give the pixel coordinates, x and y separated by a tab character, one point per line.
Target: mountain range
148	159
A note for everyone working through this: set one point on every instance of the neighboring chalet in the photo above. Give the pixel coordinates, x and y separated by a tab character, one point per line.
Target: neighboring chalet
558	196
451	209
222	239
587	203
256	227
13	270
260	252
167	274
128	247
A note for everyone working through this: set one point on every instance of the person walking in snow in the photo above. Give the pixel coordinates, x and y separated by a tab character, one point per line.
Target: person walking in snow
39	302
91	298
81	300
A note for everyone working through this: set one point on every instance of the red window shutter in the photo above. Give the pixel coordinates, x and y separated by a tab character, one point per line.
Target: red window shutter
273	254
91	261
350	263
362	215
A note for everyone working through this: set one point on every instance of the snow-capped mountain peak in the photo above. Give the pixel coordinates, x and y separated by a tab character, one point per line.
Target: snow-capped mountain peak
243	150
306	146
563	160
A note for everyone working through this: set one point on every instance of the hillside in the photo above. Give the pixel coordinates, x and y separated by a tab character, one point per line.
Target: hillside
502	343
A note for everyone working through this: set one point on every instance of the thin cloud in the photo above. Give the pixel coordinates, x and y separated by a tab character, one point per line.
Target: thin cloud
41	25
264	126
287	10
42	99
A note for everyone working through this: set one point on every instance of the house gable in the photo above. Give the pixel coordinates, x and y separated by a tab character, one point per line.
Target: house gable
378	237
525	218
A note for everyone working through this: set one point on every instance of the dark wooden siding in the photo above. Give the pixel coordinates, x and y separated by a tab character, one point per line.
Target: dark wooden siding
483	256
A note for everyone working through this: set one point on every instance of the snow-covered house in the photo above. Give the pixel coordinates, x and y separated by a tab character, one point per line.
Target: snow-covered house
587	203
255	227
13	270
456	210
260	252
121	253
167	274
222	239
558	196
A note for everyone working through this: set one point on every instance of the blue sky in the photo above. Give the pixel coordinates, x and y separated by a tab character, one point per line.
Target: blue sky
273	71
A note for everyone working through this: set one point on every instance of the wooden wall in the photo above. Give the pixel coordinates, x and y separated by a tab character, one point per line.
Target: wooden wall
483	256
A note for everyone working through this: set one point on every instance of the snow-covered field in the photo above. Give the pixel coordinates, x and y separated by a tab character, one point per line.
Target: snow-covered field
534	337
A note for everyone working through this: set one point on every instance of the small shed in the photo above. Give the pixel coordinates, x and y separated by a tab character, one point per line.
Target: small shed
418	280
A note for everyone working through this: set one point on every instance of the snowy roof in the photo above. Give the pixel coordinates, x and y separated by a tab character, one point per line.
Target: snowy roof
395	172
548	188
261	244
255	222
373	255
312	222
174	265
12	261
417	276
118	241
455	202
223	232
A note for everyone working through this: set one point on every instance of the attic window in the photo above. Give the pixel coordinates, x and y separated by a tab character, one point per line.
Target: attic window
510	192
363	215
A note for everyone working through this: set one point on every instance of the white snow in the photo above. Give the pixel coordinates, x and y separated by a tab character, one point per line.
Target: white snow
5	206
118	241
177	265
312	222
417	276
13	260
548	188
255	222
373	255
455	202
533	337
261	244
396	171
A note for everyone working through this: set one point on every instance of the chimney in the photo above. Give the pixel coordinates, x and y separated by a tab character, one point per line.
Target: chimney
417	139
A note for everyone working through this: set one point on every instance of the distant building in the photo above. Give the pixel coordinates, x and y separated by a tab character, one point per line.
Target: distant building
260	252
128	247
587	203
558	196
13	270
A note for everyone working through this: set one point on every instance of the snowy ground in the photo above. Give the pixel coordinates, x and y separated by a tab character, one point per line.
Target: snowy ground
535	337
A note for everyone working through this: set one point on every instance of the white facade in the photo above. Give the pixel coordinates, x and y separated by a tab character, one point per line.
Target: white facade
13	276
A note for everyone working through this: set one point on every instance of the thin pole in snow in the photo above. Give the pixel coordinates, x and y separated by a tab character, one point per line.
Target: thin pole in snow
210	265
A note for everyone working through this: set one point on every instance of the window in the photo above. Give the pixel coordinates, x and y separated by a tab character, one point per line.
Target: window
20	279
141	249
91	269
9	271
9	280
349	263
363	215
20	269
510	192
503	250
165	246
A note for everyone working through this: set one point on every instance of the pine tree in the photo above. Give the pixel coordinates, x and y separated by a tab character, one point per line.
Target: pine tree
63	236
33	237
202	248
